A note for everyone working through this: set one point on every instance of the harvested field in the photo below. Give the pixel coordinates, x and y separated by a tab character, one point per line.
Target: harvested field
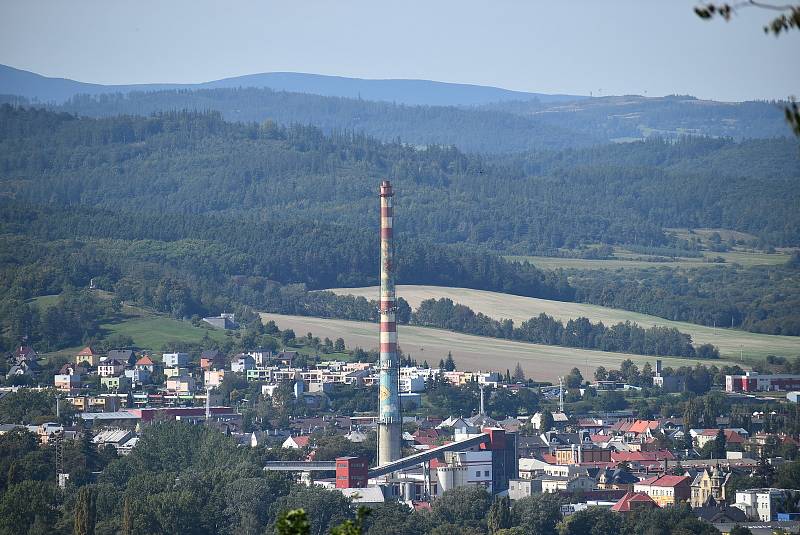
540	362
732	343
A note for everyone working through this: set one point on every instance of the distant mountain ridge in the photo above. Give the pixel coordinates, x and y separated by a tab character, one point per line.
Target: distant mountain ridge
418	112
402	91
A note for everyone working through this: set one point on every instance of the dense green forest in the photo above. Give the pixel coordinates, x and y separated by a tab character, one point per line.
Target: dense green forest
763	299
197	163
188	214
469	129
493	128
201	265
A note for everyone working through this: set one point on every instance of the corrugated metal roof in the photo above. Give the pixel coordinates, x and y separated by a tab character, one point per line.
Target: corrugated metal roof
118	415
111	435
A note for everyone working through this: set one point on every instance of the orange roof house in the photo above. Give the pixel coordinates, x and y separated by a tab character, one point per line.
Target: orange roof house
298	442
643	426
145	363
87	354
634	501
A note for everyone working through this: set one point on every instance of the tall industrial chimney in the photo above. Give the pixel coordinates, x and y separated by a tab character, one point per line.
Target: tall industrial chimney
389	420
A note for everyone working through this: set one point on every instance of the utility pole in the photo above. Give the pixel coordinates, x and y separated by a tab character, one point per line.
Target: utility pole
208	404
58	445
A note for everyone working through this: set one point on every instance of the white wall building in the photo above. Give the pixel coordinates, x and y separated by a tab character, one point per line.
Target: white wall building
175	360
465	468
759	503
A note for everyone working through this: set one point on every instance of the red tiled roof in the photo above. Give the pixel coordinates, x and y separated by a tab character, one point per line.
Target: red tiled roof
640	426
638	456
639	498
589	422
425	440
622	426
663	481
786	439
428	433
436	463
87	352
25	351
301	441
144	361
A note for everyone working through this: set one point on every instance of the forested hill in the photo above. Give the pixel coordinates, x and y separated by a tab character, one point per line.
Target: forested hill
181	163
552	126
470	130
622	118
414	92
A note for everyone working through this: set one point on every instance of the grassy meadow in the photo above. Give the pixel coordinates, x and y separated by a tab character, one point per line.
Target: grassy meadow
148	329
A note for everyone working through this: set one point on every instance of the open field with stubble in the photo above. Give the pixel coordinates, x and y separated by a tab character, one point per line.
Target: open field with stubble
540	362
732	343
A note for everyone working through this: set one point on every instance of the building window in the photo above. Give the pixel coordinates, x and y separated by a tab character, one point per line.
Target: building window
478	473
486	473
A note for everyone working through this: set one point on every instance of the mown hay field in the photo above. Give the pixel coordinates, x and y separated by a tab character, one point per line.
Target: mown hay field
541	362
732	343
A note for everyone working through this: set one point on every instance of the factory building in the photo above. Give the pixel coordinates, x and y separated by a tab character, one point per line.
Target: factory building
756	382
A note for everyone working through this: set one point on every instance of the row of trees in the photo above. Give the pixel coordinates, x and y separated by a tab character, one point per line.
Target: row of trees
623	337
761	299
74	316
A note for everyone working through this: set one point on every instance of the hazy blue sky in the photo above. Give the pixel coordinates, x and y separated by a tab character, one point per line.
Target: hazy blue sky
606	47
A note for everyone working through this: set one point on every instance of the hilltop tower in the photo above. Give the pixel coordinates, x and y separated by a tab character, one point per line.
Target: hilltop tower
389	419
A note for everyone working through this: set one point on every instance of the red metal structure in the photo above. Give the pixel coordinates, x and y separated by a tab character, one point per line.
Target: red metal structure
351	472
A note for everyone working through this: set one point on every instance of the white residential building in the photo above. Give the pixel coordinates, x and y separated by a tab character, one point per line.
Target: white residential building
110	368
175	360
67	382
242	363
410	384
572	483
760	503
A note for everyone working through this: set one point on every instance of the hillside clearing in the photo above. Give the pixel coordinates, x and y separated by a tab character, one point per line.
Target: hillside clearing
732	343
541	362
154	331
